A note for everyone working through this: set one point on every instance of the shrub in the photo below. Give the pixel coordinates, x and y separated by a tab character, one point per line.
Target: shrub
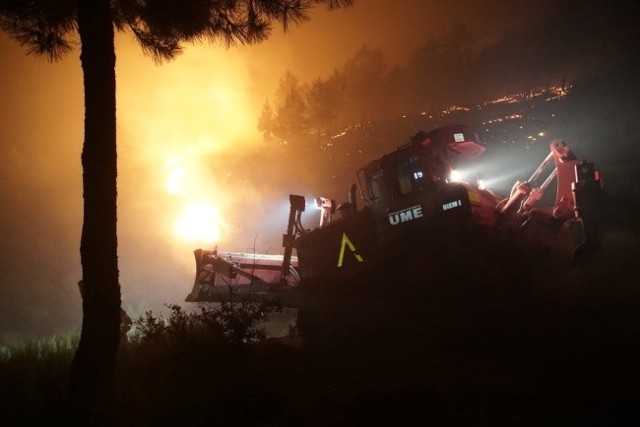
230	322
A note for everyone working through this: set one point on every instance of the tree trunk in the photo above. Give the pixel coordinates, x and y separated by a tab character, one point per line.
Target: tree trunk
92	377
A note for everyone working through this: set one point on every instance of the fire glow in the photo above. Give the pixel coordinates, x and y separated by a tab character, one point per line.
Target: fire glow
178	122
199	219
199	222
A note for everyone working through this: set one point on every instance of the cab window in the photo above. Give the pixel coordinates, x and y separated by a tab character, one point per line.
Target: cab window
409	176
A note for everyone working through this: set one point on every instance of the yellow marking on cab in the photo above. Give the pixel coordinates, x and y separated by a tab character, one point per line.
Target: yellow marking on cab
347	243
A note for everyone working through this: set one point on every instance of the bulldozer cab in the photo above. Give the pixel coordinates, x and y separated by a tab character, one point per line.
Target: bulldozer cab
428	158
413	182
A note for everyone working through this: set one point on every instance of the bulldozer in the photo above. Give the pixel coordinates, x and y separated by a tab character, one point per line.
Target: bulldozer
405	198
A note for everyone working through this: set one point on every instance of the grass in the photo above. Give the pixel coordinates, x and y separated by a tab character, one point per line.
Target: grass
34	376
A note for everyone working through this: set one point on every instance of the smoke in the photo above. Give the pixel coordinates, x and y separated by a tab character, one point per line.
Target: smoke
199	108
187	135
40	193
187	138
198	112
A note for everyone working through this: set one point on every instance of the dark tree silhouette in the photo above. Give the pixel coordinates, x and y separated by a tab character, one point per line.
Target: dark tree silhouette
322	104
361	80
266	121
49	27
292	116
288	118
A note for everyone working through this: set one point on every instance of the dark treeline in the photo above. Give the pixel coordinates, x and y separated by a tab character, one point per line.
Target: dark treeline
574	42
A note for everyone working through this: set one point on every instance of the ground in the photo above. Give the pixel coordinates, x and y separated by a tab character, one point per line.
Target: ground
483	334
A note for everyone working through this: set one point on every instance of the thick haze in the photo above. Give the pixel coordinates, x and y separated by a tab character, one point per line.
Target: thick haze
176	122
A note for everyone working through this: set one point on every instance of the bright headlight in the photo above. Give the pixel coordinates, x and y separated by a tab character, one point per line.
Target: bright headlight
455	176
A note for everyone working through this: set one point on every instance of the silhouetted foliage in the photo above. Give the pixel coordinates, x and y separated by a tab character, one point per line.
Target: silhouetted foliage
291	119
232	322
323	105
266	121
287	120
